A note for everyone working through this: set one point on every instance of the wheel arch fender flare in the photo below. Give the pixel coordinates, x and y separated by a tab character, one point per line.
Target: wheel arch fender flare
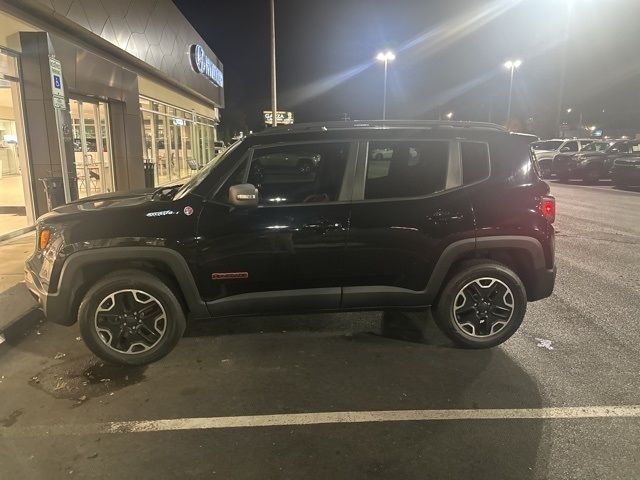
462	248
174	262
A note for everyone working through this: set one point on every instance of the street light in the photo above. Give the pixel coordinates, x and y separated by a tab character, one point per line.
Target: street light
511	65
385	57
449	115
569	110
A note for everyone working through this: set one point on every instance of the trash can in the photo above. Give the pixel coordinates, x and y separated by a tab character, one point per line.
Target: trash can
54	189
149	174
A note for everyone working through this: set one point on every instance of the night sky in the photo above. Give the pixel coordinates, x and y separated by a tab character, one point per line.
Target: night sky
449	58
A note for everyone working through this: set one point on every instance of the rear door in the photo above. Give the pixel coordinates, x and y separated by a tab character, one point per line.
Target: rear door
408	206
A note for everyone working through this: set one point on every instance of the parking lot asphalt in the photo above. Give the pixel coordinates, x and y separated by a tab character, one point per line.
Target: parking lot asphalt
227	403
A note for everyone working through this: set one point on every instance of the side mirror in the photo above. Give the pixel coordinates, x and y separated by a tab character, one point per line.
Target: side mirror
243	195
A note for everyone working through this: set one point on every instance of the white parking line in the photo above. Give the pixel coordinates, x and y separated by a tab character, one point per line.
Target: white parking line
321	418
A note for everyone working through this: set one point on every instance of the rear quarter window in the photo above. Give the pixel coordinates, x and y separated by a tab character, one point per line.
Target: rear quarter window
475	162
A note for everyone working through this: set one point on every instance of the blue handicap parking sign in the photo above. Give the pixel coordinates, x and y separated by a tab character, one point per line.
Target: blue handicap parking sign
56	81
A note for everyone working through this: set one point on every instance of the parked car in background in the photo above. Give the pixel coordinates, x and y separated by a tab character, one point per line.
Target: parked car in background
309	218
546	150
565	163
626	171
592	166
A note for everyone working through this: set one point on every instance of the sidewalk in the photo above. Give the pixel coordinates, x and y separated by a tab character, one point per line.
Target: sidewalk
15	299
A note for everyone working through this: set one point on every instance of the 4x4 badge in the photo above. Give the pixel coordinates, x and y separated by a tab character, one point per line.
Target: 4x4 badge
188	210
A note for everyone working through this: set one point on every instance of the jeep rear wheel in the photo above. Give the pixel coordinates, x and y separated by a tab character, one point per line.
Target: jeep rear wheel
482	305
131	317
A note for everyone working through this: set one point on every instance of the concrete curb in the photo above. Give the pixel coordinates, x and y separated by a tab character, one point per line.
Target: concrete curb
19	329
16	304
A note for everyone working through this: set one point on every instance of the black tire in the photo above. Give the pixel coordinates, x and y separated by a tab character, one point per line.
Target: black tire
446	319
591	177
148	286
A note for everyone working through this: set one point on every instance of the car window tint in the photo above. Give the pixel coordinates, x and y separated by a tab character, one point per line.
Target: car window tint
398	169
305	173
475	161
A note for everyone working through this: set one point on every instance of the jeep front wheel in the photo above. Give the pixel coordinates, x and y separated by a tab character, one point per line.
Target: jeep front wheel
131	317
482	305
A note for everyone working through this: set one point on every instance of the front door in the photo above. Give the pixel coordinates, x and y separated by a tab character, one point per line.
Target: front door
288	253
405	210
92	147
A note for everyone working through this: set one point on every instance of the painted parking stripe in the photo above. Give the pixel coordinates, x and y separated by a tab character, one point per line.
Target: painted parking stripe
322	418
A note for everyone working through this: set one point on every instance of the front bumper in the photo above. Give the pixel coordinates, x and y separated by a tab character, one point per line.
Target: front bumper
54	307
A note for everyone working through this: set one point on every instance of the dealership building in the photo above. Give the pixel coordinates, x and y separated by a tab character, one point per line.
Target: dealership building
99	96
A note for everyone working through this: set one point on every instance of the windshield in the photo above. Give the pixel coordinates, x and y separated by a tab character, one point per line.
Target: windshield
595	147
548	145
206	170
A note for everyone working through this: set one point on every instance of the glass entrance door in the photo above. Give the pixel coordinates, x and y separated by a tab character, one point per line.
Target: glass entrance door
91	147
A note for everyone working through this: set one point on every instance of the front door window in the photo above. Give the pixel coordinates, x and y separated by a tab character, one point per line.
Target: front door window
305	173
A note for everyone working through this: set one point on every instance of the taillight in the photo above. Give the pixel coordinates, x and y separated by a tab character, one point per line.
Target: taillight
43	239
548	208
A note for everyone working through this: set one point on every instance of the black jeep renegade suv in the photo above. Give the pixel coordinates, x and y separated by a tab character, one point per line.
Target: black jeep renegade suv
344	216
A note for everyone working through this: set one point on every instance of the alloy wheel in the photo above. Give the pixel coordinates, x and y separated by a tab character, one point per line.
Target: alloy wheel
483	307
130	321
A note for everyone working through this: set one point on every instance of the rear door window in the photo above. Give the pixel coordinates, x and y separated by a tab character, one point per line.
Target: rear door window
475	161
397	169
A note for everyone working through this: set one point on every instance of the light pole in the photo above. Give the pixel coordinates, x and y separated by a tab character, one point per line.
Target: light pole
274	104
385	57
511	65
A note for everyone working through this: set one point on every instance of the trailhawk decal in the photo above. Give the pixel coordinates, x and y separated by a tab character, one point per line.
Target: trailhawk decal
229	275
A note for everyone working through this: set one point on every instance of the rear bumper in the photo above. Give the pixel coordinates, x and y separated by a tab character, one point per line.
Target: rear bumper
541	284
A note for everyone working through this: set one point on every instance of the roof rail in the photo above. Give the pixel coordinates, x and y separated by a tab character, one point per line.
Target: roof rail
379	124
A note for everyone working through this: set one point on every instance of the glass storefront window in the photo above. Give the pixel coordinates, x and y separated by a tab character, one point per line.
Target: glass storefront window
178	142
16	210
162	161
8	65
145	103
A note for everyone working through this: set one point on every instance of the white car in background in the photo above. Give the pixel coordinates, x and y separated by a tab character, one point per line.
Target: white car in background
546	150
